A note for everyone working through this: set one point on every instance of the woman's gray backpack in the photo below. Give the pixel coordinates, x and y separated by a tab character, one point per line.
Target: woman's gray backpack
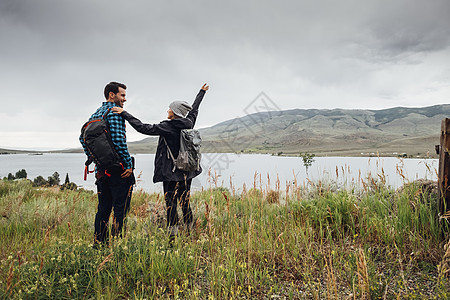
189	155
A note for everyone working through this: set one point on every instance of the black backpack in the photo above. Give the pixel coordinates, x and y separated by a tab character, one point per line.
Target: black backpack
189	155
98	141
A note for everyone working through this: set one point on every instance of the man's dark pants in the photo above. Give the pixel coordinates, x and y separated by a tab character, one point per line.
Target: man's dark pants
114	192
175	191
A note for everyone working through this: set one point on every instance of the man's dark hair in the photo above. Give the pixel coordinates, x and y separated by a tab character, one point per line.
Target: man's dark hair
113	87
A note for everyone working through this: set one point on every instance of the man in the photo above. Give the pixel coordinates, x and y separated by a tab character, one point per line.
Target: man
114	187
176	182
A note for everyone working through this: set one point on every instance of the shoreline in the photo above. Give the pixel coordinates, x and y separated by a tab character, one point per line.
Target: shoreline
322	153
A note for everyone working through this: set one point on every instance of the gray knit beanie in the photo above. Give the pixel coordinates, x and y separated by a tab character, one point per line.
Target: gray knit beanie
180	108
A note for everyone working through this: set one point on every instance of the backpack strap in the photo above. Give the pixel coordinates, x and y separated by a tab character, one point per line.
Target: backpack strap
106	113
170	155
86	167
87	171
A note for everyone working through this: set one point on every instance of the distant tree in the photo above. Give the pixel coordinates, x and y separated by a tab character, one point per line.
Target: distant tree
51	181
56	176
11	176
68	185
21	174
39	181
308	159
54	179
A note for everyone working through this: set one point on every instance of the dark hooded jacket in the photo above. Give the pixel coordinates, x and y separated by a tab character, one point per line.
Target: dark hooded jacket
170	131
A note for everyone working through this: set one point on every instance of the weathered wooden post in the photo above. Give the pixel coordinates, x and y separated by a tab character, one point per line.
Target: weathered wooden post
444	167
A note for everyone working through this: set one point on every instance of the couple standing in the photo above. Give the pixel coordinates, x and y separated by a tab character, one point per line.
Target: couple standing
115	189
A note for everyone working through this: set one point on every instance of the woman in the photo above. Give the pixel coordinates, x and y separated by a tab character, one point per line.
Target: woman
176	183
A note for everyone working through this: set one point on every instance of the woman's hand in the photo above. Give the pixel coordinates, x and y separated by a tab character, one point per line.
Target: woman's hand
205	87
117	110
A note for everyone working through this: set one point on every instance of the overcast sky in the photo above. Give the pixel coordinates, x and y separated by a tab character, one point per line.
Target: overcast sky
56	57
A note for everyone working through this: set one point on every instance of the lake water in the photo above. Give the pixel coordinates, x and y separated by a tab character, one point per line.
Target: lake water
237	169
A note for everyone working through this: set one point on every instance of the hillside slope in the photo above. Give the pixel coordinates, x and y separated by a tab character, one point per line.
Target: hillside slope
392	131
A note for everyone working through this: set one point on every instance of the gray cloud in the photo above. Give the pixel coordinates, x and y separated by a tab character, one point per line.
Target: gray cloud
58	55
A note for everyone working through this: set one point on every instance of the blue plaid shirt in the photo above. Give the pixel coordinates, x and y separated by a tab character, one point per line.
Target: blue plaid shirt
117	128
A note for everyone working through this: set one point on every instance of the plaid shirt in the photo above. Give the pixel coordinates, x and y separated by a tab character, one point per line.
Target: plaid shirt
117	128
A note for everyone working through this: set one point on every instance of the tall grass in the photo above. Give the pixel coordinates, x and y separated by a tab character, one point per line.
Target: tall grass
309	242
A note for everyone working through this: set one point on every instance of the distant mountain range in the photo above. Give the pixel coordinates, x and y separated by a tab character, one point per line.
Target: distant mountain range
341	132
11	151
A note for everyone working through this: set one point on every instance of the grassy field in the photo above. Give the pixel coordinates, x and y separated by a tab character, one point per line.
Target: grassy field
310	241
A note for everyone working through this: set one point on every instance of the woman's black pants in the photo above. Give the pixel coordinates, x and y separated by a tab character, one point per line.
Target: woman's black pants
175	191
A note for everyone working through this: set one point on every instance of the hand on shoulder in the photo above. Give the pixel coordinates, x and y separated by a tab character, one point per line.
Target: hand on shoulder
117	110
